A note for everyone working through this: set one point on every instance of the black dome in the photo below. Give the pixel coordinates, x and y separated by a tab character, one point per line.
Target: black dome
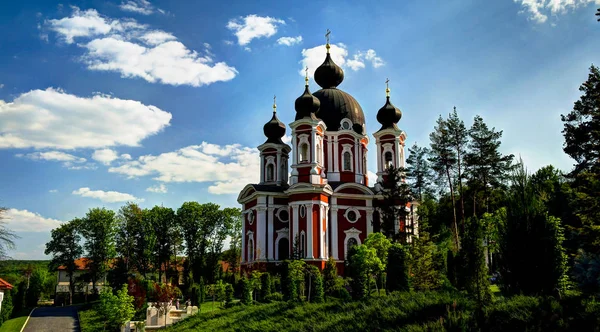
274	130
329	75
388	115
337	105
306	104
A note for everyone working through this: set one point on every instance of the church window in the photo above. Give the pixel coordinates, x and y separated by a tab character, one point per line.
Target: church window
347	157
251	217
388	160
352	216
304	153
250	249
351	243
346	124
270	172
302	244
283	215
302	211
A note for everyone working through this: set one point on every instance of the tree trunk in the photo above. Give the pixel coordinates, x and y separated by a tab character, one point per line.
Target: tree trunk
456	241
71	288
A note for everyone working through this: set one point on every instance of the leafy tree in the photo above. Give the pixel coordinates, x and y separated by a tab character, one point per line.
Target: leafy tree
129	218
486	167
396	196
163	221
7	237
418	171
330	276
165	294
117	309
315	284
475	272
397	268
7	306
381	245
443	160
233	255
266	282
65	248
228	295
425	276
246	291
458	141
293	279
99	230
37	283
224	223
492	223
144	237
533	260
362	264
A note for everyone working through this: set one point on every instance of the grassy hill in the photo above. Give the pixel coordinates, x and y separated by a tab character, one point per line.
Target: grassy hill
422	311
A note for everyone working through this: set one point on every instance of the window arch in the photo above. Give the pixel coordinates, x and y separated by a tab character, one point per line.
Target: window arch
303	153
250	249
347	161
283	249
302	245
270	172
388	157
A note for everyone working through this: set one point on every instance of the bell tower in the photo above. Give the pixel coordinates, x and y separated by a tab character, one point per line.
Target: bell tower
274	153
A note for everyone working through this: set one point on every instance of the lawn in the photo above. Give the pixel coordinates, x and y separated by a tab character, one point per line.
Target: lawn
13	325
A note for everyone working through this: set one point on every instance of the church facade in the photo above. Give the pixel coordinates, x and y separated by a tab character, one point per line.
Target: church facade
326	204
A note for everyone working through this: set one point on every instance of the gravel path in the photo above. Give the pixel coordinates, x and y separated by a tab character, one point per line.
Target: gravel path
55	319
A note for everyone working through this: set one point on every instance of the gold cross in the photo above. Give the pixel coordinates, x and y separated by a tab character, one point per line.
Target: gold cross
387	87
274	104
327	35
387	80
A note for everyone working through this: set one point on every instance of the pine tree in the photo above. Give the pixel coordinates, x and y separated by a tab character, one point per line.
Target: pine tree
330	276
443	160
397	268
459	139
246	291
423	269
396	196
418	171
475	272
265	288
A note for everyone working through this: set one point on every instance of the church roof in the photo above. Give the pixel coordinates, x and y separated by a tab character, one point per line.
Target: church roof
269	188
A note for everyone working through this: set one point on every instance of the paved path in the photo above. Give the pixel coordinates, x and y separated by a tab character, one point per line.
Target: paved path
55	319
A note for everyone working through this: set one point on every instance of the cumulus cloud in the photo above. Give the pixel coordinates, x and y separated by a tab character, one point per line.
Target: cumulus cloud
159	189
289	41
538	10
53	191
68	160
106	196
142	7
228	168
253	26
52	118
372	178
314	57
105	156
135	50
26	221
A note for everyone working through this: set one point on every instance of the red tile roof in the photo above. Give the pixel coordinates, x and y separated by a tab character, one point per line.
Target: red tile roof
79	263
5	285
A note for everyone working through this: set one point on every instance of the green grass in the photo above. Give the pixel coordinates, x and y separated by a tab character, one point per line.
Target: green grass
13	325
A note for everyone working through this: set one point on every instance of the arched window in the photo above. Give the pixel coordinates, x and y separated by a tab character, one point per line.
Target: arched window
319	152
270	172
250	250
388	160
347	166
304	153
302	245
283	249
351	243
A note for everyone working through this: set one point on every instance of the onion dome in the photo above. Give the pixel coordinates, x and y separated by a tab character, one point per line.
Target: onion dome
329	75
274	129
306	104
388	115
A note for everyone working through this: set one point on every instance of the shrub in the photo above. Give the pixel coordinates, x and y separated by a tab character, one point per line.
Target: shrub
228	295
246	291
397	268
274	297
329	276
7	306
117	309
266	286
315	282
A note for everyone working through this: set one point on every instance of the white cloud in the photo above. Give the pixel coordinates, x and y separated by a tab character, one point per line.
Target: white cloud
126	156
25	221
68	160
228	168
1	86
372	178
159	189
106	196
52	118
539	10
53	191
105	156
286	139
136	51
289	41
228	42
137	6
253	26
314	57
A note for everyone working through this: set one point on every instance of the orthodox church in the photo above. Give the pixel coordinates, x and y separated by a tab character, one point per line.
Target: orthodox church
326	205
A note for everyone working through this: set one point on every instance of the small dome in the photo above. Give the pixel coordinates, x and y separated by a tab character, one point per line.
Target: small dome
329	75
388	115
274	130
306	104
337	105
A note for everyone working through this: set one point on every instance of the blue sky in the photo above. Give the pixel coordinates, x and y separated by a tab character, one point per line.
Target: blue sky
163	102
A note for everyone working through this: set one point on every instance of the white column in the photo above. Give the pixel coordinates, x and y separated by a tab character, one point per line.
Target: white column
356	166
334	232
244	237
326	233
379	161
295	224
330	154
261	223
262	168
336	163
270	242
369	220
278	168
309	231
397	161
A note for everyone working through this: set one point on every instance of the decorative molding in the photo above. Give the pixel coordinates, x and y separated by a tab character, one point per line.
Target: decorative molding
351	233
278	213
356	212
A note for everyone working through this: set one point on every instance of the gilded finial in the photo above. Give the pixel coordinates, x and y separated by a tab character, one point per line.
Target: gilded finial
327	36
387	87
306	75
274	104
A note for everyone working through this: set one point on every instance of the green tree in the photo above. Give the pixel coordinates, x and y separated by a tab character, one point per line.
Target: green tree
443	161
65	248
265	287
129	219
228	295
315	284
396	195
234	253
7	237
7	306
418	171
162	220
362	264
330	276
397	268
246	291
224	221
99	230
475	272
381	245
37	282
117	309
293	279
425	276
459	139
533	260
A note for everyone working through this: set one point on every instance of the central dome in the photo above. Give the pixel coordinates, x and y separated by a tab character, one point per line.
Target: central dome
336	104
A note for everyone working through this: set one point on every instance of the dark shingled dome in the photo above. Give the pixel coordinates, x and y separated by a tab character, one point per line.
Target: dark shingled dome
274	130
389	115
335	103
306	104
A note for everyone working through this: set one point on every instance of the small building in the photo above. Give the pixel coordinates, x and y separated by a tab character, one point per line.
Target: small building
4	286
83	284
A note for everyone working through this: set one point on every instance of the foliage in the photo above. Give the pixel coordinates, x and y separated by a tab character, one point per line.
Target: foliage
472	255
397	268
7	306
316	292
136	289
418	171
586	272
274	297
293	279
246	291
228	295
117	309
7	237
362	263
65	248
458	143
162	220
266	285
424	274
38	282
329	276
396	195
